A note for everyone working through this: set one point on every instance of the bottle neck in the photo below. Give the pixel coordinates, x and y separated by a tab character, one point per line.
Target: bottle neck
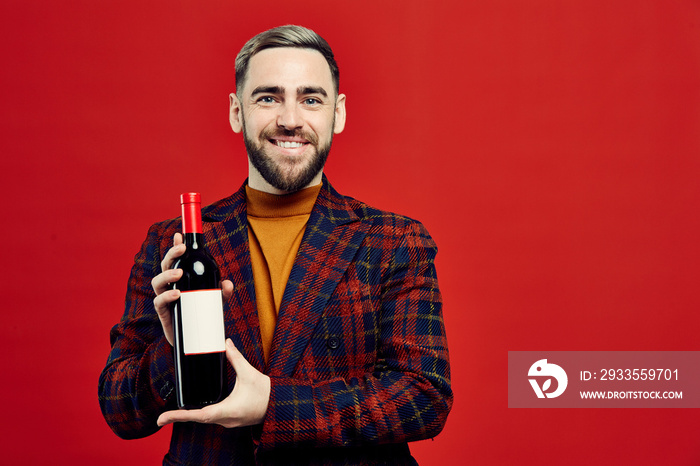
191	217
194	241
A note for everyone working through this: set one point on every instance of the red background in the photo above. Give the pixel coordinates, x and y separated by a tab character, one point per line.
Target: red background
551	148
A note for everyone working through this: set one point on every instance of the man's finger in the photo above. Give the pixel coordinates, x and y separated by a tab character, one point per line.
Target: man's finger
162	302
238	362
173	253
162	281
206	415
226	289
162	306
170	256
183	415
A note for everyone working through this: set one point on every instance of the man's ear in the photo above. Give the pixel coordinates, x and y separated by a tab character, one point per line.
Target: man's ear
234	113
339	114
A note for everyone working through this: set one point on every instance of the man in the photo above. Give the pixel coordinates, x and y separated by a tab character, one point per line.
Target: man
333	315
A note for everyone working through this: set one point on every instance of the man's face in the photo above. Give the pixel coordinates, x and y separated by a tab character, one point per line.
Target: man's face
288	112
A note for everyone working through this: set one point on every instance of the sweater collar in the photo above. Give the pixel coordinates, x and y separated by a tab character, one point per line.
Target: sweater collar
266	205
329	204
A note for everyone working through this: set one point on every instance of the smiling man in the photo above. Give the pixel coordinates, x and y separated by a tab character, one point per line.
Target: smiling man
288	110
333	315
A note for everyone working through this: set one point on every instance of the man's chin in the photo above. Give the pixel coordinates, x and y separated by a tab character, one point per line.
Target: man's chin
288	173
291	184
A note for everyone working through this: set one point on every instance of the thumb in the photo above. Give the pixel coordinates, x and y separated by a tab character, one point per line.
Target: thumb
238	362
226	289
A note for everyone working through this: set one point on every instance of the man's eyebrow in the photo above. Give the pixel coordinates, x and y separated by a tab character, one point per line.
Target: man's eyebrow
301	90
305	90
268	90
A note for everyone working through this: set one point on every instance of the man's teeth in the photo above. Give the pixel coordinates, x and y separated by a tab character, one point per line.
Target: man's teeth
288	144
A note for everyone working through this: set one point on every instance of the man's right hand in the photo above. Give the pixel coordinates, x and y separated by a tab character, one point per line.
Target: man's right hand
165	295
162	285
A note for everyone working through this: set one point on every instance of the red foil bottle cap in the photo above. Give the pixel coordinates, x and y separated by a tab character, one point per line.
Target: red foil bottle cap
191	212
188	198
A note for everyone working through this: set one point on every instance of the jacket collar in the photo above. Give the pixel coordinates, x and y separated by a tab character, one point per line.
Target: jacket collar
330	204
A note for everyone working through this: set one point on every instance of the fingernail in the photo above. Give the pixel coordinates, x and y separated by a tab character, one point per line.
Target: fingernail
229	343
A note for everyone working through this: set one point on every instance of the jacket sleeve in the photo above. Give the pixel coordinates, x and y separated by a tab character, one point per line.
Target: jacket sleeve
406	396
137	383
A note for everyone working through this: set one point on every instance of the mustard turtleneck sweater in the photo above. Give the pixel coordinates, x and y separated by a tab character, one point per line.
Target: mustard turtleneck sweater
276	226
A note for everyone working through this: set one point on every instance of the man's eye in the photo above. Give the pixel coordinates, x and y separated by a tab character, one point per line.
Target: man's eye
266	100
311	101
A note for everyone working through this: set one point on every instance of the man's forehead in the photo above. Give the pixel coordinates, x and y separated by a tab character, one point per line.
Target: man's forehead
289	67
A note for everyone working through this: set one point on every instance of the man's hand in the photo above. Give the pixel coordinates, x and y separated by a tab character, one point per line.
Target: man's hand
245	406
165	295
161	284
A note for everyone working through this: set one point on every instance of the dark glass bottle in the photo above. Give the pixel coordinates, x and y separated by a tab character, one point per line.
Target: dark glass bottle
198	317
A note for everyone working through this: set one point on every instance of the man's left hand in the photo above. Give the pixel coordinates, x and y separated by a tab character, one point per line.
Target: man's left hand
245	406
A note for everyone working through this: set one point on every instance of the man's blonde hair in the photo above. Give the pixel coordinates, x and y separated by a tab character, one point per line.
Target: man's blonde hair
284	36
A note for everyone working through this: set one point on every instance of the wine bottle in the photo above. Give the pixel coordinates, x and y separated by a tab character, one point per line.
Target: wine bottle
198	317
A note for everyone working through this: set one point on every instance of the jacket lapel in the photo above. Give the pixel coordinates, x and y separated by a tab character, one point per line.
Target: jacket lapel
331	240
226	233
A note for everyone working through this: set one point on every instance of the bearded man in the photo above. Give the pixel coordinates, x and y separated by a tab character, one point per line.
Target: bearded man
333	315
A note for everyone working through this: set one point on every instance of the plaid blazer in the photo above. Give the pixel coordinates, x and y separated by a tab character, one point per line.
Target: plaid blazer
358	365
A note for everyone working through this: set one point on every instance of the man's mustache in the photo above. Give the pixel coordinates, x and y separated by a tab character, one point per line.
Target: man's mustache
296	133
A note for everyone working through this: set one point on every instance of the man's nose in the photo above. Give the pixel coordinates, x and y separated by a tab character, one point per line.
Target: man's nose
289	117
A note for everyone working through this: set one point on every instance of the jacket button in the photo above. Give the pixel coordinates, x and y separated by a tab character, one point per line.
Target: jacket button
333	343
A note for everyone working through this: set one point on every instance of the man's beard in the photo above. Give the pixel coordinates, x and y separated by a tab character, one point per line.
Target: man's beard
290	174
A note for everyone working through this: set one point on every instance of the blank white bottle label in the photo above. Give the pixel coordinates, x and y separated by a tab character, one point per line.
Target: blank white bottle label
202	321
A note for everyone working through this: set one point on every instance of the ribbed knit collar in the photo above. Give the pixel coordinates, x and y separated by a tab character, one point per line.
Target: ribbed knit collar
266	205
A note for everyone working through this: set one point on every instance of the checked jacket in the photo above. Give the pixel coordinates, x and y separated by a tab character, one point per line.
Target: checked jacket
358	365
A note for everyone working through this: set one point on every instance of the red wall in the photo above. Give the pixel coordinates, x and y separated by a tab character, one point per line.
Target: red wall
551	148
